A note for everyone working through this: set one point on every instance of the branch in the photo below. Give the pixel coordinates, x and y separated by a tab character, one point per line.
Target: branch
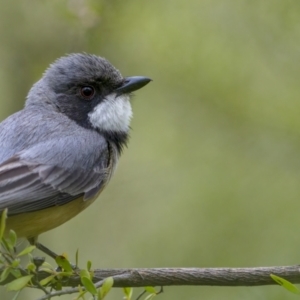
196	276
187	276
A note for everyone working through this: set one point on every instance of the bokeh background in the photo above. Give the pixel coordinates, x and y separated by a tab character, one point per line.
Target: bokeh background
211	175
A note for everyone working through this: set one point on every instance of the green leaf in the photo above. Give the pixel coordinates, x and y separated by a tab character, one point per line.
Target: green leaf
286	284
58	286
3	222
89	285
31	267
128	292
9	243
16	295
47	265
16	273
30	257
46	280
81	293
47	270
150	289
12	237
151	296
65	274
77	258
80	296
15	263
19	283
105	288
26	250
84	273
5	274
63	262
5	244
88	265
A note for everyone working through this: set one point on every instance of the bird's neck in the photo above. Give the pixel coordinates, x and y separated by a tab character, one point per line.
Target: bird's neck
119	139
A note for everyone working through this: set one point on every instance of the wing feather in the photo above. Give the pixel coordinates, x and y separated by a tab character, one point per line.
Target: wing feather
27	186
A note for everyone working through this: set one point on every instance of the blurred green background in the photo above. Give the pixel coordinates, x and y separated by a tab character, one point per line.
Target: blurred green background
211	176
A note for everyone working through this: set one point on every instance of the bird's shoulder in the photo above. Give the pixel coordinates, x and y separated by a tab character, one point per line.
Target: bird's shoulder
50	137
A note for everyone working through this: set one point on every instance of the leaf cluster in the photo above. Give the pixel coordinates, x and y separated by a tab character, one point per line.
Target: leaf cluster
19	277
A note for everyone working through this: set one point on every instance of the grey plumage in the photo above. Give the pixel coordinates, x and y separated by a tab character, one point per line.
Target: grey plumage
52	161
64	144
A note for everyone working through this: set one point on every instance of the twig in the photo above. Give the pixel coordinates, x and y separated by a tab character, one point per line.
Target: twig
72	290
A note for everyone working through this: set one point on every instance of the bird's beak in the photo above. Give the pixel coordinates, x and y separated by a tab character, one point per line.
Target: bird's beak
132	84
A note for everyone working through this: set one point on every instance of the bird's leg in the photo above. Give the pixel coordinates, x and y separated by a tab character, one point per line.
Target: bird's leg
41	247
46	250
52	254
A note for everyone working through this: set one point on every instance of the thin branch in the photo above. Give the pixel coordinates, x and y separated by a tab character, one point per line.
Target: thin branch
71	291
59	293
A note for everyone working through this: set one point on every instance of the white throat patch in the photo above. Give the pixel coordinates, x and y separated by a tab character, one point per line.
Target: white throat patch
112	114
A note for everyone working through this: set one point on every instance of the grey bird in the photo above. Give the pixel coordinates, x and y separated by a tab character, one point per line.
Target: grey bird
59	152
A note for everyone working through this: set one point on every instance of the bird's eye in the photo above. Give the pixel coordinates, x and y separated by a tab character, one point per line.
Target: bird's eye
87	92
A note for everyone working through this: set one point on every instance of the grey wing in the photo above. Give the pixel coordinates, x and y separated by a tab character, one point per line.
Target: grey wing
46	159
26	186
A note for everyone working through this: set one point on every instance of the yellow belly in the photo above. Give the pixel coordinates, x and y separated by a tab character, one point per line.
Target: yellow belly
32	224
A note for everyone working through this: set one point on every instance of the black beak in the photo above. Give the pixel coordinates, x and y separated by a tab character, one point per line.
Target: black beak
132	84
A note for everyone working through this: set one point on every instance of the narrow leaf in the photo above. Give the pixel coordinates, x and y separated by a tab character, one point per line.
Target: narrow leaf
105	288
47	270
46	280
89	265
5	273
3	222
9	245
108	284
5	244
16	295
19	283
89	285
151	296
12	237
286	284
47	265
128	292
27	250
65	274
77	258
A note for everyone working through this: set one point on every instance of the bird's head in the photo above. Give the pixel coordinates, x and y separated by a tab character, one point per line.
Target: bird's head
90	91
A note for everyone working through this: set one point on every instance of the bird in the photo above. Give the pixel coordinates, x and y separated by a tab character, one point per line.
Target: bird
59	152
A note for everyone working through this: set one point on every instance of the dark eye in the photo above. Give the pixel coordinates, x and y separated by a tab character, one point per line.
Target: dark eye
87	92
